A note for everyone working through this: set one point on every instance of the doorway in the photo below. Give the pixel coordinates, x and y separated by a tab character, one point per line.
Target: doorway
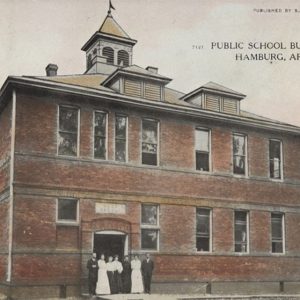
110	243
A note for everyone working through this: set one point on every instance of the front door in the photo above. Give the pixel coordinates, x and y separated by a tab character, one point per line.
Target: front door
109	244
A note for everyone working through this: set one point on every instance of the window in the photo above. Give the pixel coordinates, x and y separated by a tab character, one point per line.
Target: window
100	132
275	159
150	142
120	138
68	131
123	58
202	149
108	52
89	61
203	224
241	231
277	220
149	227
239	154
67	210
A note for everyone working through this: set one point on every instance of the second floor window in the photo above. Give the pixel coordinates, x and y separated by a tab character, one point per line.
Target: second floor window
275	159
121	138
277	222
150	142
241	231
68	131
239	154
100	132
67	210
203	229
202	149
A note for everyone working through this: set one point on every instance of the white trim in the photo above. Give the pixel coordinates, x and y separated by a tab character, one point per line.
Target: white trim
11	185
106	134
67	222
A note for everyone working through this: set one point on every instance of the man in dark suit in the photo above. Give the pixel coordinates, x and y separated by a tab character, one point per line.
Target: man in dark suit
147	269
92	266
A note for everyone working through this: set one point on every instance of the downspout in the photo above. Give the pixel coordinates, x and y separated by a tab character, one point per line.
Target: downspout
11	186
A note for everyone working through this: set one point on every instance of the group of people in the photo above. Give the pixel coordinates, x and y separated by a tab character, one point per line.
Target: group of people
113	276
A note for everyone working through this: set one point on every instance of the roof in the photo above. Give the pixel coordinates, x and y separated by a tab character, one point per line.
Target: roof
138	71
110	26
214	88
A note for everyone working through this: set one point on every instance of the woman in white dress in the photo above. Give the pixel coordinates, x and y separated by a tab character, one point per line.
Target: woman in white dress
136	276
102	283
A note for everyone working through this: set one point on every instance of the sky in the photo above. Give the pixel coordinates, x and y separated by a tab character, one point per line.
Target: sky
174	35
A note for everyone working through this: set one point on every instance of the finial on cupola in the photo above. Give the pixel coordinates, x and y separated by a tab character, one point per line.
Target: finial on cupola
110	8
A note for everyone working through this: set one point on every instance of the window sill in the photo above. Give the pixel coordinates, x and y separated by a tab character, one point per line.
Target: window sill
66	223
276	180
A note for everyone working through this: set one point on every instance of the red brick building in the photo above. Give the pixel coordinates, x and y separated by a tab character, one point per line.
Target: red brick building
116	162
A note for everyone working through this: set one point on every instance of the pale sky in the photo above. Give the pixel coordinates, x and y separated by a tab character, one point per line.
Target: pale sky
34	33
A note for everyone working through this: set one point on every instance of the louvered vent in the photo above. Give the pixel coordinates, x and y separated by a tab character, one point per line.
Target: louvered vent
152	91
230	106
123	58
212	102
133	88
109	53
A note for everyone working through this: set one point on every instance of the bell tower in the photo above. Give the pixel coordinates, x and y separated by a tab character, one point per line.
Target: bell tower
108	48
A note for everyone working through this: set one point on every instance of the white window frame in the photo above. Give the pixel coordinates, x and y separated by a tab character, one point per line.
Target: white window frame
247	231
158	142
67	222
126	139
209	149
78	130
283	233
210	230
246	175
281	160
152	227
106	134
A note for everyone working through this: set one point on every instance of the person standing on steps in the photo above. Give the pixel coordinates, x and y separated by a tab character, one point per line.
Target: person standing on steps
147	269
126	275
92	266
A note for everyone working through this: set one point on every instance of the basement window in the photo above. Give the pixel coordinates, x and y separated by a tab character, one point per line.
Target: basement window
150	142
277	222
150	227
67	210
68	131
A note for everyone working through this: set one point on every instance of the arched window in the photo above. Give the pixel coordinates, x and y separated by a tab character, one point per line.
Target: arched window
109	53
123	58
89	61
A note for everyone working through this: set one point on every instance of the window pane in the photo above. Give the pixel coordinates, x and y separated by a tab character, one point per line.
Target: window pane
149	132
149	214
67	209
240	216
121	127
203	222
202	140
149	239
240	231
202	161
277	247
202	244
67	144
274	149
100	124
239	165
68	119
99	148
149	159
276	229
120	150
275	171
239	145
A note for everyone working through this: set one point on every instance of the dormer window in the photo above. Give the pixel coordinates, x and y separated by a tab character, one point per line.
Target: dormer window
109	53
123	58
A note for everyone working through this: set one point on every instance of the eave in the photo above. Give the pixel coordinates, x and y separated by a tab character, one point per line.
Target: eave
147	104
112	37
